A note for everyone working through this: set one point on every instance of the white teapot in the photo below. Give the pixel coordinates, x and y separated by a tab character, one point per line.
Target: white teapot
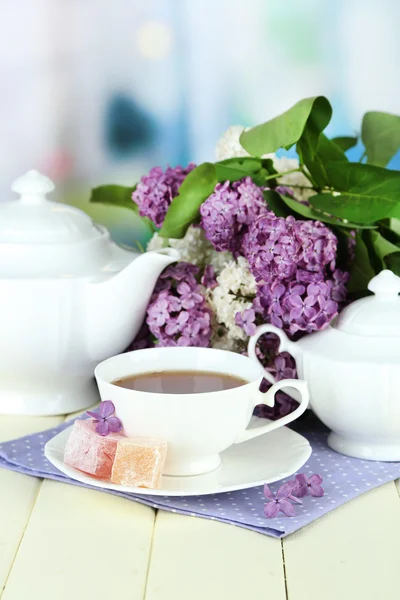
352	369
69	298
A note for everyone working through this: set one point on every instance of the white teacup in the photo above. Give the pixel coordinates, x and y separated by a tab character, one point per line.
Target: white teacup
196	426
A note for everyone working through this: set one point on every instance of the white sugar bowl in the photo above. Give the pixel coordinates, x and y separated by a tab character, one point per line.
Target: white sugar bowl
353	372
69	298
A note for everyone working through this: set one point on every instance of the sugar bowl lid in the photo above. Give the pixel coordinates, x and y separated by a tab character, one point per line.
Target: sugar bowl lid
42	238
377	315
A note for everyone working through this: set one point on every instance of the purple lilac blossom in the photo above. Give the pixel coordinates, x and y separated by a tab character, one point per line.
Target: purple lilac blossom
155	191
142	340
209	279
228	212
178	314
245	320
280	502
304	486
105	422
299	288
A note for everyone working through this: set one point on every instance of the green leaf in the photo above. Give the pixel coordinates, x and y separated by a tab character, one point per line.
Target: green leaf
361	271
381	136
233	169
392	262
345	142
307	212
327	151
305	120
387	228
276	204
380	245
367	193
184	209
115	195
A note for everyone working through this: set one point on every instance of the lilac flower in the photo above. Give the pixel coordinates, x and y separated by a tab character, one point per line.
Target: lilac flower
106	423
272	249
319	245
155	191
208	279
284	405
302	486
178	314
189	297
229	210
295	307
339	281
182	271
157	312
245	320
284	367
279	502
142	340
284	190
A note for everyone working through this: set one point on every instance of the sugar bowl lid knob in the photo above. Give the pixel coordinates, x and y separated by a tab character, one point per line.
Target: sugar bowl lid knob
33	187
385	285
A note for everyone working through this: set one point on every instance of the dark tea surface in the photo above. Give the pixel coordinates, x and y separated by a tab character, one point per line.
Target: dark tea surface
180	382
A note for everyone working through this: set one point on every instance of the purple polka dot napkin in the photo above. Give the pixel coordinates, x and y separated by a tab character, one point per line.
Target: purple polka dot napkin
344	479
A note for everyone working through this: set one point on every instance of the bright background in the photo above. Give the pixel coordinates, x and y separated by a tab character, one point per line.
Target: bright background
94	91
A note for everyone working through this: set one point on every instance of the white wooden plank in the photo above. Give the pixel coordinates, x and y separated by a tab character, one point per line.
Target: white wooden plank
17	492
353	552
198	558
82	543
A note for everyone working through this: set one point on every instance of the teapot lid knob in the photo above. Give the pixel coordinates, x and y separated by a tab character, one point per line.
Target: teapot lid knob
33	187
386	285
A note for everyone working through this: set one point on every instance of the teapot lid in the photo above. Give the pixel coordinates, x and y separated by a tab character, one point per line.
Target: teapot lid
42	238
377	315
33	218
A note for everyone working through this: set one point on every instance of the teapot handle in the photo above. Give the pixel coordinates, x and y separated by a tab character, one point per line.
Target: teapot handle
285	345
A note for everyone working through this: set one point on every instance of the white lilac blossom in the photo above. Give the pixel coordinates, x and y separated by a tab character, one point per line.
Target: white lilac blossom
232	296
193	248
237	278
228	146
225	305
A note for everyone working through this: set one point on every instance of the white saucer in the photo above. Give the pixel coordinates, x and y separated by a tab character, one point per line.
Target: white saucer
264	459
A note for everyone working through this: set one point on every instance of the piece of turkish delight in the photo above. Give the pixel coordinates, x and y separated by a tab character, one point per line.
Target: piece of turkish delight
139	462
90	452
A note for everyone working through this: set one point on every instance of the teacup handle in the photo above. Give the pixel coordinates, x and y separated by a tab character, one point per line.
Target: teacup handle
268	398
285	345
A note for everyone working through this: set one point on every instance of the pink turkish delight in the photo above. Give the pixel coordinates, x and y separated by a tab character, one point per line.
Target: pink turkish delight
90	452
139	462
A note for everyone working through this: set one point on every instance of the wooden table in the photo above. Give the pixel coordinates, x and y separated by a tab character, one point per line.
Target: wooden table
60	542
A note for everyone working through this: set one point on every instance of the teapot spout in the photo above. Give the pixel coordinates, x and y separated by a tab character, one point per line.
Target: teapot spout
116	307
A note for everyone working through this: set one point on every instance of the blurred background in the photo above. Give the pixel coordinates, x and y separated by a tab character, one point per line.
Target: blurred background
94	91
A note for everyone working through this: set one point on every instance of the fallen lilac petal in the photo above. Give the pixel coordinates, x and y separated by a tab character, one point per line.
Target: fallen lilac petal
102	428
287	507
114	424
271	510
95	415
302	486
267	493
284	491
107	408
